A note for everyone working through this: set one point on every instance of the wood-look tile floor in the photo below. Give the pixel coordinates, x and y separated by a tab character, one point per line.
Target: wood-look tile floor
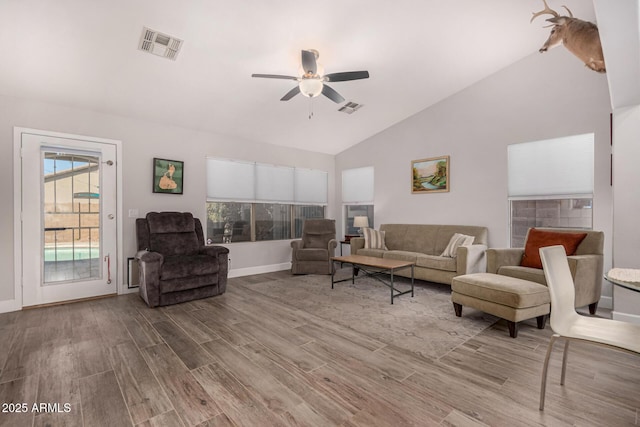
244	359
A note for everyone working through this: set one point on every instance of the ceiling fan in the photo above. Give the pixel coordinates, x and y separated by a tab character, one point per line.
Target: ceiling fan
312	83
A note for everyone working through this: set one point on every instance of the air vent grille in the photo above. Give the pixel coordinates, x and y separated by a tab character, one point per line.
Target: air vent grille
159	44
350	107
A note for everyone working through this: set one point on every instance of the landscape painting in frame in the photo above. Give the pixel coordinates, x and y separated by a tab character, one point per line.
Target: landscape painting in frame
430	175
168	176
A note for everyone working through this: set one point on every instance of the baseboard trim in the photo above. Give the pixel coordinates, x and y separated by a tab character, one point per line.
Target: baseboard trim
626	317
10	305
606	302
71	301
248	271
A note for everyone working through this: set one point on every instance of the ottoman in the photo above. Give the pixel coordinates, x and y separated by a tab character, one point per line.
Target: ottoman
507	297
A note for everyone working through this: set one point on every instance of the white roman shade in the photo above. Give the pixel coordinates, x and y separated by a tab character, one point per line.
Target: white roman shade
230	180
357	185
311	186
274	183
237	181
552	167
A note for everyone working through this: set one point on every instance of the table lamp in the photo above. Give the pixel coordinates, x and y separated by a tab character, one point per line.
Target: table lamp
361	222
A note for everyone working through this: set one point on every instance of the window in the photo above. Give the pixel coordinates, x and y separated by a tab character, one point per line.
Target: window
563	213
302	212
351	211
550	185
228	222
258	202
273	221
357	196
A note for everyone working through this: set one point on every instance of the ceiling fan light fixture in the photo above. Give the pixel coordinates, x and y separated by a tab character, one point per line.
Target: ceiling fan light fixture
310	87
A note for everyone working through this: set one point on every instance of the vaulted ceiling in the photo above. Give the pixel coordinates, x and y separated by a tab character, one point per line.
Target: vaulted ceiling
84	54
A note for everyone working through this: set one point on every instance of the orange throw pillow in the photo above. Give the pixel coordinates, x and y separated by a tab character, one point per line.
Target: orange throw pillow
539	239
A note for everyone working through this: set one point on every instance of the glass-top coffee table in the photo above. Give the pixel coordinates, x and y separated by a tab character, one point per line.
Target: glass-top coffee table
626	277
374	267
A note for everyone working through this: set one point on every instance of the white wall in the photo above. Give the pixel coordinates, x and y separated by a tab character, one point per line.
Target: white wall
141	141
540	97
626	206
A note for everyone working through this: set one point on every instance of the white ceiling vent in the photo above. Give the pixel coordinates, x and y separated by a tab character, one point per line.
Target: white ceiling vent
159	44
350	107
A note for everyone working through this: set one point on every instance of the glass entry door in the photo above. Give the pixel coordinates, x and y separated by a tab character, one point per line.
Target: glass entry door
71	214
69	226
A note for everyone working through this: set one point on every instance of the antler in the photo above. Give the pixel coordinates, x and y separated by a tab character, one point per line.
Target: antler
570	14
547	10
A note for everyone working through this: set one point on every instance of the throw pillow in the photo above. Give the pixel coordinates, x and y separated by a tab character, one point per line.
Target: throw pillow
456	241
539	239
373	239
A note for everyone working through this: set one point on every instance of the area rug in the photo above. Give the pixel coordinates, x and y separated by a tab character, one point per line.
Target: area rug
425	324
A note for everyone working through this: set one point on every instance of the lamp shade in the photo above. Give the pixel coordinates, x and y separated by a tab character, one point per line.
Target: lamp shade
360	221
310	87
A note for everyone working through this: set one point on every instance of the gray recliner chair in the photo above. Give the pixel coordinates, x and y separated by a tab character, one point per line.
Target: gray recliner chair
175	265
312	254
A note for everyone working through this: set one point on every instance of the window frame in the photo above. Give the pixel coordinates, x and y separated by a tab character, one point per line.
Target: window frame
560	183
252	222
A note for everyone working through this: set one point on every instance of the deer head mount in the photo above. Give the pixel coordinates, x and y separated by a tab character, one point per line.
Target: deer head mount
579	37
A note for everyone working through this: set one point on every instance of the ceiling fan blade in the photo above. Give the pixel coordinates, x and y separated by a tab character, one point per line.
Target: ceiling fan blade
347	75
332	94
274	76
309	62
293	92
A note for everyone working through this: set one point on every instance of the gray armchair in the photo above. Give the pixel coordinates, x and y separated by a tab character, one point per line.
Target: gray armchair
586	266
312	254
175	265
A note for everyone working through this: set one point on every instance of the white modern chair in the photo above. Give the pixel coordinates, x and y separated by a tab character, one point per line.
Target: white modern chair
568	324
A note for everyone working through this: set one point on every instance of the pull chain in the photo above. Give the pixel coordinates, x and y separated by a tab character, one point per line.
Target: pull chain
310	108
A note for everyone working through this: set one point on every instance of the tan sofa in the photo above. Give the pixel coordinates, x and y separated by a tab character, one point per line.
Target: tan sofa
586	266
423	244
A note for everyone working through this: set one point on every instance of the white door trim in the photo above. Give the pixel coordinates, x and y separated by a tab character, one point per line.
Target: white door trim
16	302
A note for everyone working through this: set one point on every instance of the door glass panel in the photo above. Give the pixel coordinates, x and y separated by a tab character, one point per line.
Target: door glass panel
71	213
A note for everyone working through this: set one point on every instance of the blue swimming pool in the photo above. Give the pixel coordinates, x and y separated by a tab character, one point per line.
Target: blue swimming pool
68	254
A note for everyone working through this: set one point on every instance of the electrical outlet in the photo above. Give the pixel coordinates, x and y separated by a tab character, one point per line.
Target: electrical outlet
133	213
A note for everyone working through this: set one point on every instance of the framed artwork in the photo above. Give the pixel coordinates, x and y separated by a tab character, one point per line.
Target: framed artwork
430	175
168	176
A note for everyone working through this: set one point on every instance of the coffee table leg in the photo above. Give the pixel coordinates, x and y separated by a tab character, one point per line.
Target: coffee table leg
411	280
391	286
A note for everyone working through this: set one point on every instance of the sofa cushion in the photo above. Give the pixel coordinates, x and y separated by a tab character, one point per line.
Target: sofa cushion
373	239
316	233
317	240
456	241
312	254
175	267
174	244
378	253
436	262
170	222
537	239
524	273
401	255
410	237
